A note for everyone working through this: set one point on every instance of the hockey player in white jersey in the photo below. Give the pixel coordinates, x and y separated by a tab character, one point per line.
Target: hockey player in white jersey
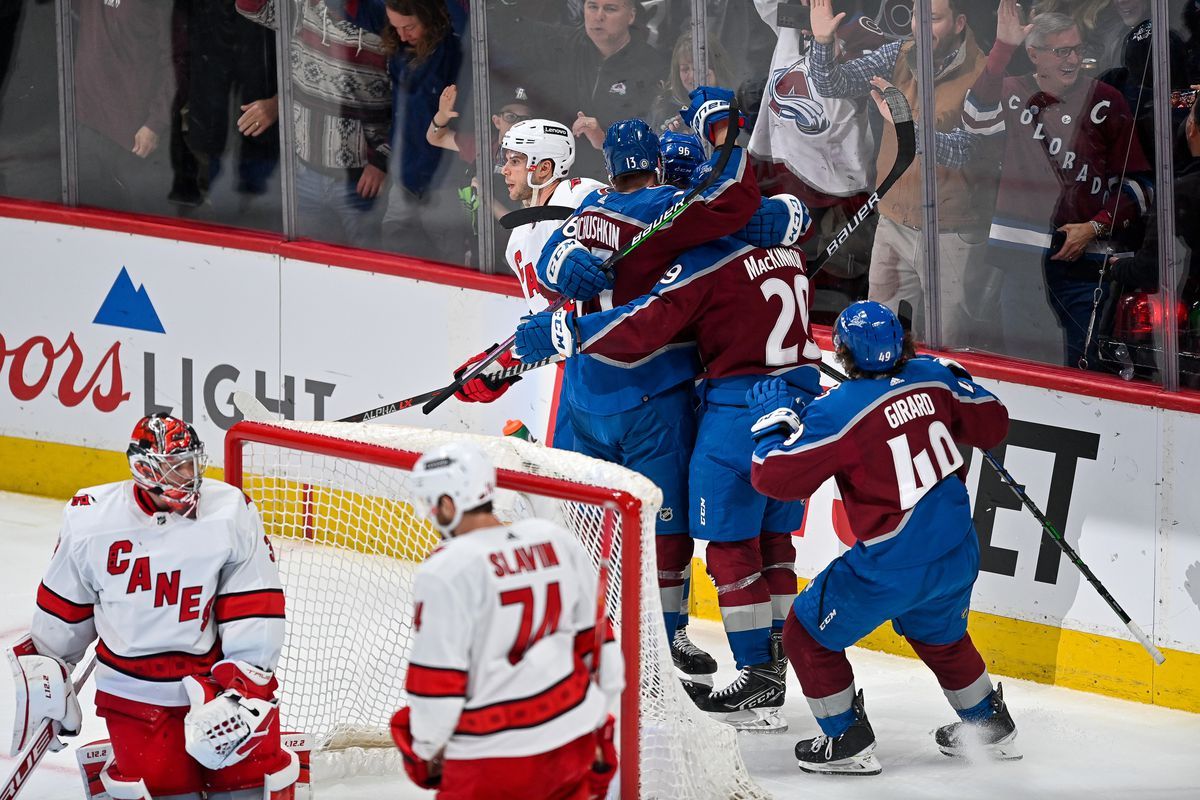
178	587
538	155
503	702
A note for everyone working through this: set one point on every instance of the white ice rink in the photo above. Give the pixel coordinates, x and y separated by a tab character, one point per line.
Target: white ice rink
1076	745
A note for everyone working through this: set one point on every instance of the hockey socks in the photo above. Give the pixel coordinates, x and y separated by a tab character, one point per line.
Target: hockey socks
674	554
744	599
779	570
961	673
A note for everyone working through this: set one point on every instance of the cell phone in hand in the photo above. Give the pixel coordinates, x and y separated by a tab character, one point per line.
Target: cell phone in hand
794	15
1183	99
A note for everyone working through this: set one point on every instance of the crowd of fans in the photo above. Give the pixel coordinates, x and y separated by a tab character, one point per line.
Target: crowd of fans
1044	133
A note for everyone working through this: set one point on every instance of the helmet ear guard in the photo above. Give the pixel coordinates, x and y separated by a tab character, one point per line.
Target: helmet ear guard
458	470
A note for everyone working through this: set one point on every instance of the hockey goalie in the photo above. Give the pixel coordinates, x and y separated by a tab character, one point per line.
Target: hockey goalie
178	586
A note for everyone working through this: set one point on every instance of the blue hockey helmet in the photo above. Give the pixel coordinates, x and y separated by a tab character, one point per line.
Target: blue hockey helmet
872	334
630	146
681	153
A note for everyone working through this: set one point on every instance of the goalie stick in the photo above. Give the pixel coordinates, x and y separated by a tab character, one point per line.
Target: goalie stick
31	755
663	219
1048	527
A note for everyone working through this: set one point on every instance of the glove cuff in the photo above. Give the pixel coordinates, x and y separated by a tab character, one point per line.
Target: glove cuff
558	257
563	333
798	218
245	679
781	421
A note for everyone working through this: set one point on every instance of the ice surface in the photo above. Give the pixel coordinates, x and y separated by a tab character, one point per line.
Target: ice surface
1076	745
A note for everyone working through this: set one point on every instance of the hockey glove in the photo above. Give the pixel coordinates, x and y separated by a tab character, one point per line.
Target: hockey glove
781	220
604	768
44	691
775	408
224	725
574	272
710	105
423	773
486	387
956	369
543	335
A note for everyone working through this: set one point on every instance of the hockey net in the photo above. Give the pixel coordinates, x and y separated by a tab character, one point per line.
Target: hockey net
335	500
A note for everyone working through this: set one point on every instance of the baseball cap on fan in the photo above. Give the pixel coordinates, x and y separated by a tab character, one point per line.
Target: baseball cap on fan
510	105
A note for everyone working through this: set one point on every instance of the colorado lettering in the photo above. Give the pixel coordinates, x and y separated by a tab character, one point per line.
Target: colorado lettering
907	408
775	257
523	559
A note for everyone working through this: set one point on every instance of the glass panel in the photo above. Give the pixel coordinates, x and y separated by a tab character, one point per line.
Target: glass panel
158	95
817	133
30	162
1053	110
1184	47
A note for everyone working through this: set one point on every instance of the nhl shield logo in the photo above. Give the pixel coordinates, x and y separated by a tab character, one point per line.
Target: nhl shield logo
665	514
792	97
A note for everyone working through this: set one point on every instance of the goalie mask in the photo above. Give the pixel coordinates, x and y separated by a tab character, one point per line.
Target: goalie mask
458	470
167	459
538	140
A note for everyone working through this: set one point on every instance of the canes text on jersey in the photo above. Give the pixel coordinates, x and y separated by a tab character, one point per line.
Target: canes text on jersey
165	585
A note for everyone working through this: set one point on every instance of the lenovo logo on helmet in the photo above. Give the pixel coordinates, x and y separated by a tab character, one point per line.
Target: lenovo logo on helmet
555	130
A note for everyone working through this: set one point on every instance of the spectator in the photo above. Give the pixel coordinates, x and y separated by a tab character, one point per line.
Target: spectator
1073	176
342	114
124	85
681	80
898	260
604	71
1191	21
424	217
1130	13
1100	27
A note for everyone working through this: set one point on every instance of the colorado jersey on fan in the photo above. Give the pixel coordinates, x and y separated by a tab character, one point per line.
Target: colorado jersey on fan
891	444
504	624
746	308
525	243
608	221
168	596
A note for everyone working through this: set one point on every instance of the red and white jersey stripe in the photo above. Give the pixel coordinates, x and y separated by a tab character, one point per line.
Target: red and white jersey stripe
504	620
167	596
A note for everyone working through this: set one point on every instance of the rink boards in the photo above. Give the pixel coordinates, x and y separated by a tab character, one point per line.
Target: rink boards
103	319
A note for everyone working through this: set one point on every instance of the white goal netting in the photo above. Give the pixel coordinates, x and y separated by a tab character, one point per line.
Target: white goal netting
334	498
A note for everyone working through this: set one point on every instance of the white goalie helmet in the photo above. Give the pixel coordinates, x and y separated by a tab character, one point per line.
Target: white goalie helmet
541	139
458	470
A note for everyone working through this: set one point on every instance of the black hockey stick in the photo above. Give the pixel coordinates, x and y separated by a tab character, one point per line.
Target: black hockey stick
1049	528
524	216
906	151
663	220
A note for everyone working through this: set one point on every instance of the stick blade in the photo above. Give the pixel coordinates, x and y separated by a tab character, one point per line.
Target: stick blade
251	409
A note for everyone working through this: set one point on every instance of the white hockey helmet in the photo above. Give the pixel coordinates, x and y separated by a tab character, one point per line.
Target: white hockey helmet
458	470
538	140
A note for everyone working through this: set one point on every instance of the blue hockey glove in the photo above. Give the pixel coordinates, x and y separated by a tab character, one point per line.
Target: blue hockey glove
709	105
544	335
781	220
775	408
574	272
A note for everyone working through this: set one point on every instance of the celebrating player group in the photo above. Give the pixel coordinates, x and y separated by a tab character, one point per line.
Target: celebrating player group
690	360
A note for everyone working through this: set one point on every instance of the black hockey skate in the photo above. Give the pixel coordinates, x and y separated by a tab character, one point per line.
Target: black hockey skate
852	753
751	702
689	659
995	736
778	656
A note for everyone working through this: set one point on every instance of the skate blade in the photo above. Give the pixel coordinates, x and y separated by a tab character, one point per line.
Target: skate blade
754	720
865	765
698	680
1003	750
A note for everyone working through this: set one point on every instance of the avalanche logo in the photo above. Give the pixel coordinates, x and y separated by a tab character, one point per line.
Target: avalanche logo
792	97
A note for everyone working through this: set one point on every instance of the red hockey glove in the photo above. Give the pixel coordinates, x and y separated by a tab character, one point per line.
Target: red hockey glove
423	773
604	768
485	389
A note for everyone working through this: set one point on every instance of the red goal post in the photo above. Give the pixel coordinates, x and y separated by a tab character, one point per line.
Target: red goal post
333	498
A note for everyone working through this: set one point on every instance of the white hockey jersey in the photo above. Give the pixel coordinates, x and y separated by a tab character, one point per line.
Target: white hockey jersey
824	141
504	622
525	243
167	596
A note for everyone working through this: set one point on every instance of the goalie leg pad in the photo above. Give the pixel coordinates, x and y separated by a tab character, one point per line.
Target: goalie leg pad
257	783
148	746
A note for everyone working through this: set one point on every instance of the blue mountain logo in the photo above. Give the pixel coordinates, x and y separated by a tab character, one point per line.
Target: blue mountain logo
128	307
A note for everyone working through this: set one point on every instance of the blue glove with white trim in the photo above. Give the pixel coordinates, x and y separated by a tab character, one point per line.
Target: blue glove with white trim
775	407
709	105
545	335
574	272
781	220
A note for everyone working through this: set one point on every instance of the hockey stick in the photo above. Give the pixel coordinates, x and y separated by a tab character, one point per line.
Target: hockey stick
1049	528
608	534
663	220
31	754
906	151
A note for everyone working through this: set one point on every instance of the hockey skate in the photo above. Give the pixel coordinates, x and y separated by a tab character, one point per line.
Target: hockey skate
689	659
751	702
778	656
851	753
995	736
